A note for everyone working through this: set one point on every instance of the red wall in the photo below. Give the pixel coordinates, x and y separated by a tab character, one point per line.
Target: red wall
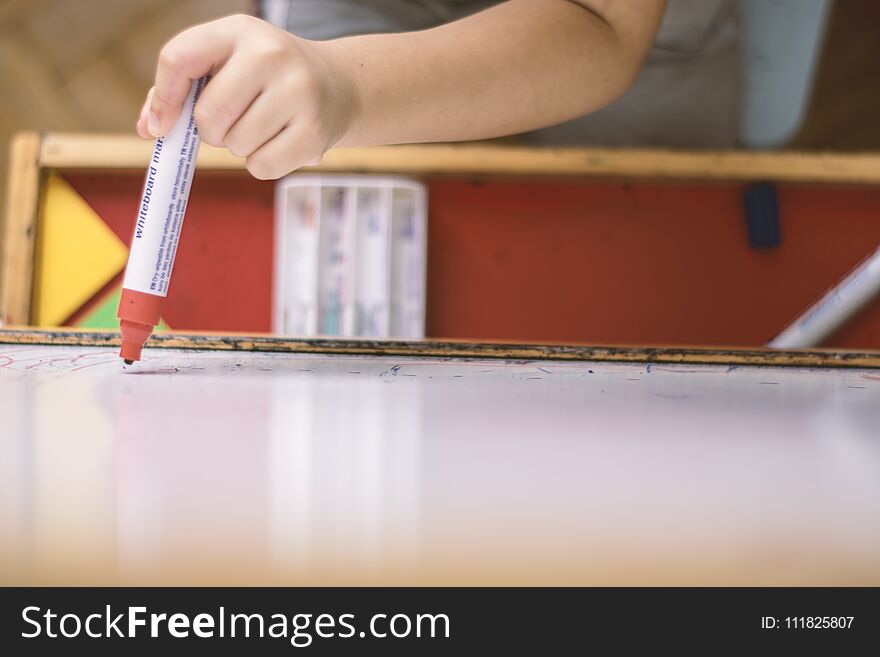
568	261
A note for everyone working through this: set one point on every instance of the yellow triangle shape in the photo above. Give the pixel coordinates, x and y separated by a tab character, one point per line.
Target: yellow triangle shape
77	254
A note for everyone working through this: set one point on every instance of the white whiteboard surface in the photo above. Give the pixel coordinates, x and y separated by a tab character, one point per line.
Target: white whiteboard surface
249	468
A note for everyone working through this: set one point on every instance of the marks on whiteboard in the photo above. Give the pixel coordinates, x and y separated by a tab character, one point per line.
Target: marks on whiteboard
99	363
141	370
46	360
666	383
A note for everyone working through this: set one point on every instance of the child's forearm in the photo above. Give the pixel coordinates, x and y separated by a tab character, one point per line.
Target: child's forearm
521	65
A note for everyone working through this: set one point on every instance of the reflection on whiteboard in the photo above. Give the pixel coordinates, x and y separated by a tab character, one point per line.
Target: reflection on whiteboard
234	468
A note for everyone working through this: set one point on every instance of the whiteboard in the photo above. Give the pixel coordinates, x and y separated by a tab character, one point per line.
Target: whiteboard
211	467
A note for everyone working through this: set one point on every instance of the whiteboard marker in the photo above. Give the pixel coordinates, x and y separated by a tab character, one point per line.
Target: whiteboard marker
834	308
157	229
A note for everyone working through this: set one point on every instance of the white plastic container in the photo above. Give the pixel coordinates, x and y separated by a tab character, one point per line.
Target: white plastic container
350	256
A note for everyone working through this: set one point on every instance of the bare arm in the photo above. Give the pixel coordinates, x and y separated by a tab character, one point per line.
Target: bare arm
282	101
521	65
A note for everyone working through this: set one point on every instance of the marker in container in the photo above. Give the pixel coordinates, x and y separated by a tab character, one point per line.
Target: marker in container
834	308
157	229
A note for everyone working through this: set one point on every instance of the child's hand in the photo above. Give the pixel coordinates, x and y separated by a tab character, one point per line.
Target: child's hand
272	98
281	101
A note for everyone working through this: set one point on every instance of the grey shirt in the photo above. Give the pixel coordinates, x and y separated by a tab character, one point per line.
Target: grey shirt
687	95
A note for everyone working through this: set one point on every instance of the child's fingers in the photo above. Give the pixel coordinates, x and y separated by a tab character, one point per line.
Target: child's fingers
295	146
263	120
190	55
226	98
141	125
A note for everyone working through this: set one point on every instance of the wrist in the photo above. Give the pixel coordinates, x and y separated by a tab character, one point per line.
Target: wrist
343	97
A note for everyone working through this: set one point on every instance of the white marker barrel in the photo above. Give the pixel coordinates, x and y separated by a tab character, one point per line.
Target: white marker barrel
163	203
157	229
834	308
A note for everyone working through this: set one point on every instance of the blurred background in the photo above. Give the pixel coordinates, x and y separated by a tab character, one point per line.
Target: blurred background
85	65
807	71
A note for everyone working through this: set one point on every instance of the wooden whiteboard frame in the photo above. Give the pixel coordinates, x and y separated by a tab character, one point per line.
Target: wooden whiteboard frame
33	155
454	349
19	229
83	151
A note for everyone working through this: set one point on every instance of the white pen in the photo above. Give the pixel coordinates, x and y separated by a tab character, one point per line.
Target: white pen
834	308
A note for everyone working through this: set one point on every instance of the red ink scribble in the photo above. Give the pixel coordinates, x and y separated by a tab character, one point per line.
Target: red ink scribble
76	359
40	357
103	362
871	377
43	362
43	359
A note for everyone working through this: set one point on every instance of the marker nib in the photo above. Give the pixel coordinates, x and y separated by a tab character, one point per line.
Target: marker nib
128	362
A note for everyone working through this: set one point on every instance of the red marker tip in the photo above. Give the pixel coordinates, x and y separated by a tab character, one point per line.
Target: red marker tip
134	336
138	314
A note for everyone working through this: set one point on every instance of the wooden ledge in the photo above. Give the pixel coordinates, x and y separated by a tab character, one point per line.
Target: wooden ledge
91	151
458	349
